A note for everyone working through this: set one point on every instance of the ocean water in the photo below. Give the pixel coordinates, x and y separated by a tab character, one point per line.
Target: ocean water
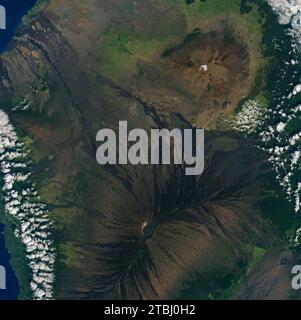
12	288
15	10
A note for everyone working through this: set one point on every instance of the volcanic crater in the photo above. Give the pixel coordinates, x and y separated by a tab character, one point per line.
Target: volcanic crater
203	78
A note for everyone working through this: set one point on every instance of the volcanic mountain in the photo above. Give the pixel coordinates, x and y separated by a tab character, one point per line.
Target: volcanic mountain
136	232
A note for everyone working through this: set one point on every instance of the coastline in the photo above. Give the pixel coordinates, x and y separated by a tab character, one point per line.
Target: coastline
14	246
17	258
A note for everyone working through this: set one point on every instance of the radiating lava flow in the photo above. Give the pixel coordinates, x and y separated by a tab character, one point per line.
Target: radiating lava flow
164	227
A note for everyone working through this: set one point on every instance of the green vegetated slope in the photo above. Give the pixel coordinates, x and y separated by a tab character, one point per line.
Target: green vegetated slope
165	24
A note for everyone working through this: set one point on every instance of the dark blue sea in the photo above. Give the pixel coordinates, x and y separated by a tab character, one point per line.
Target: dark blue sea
12	287
15	10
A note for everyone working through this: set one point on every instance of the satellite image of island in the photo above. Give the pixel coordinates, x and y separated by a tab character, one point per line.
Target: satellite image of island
74	227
